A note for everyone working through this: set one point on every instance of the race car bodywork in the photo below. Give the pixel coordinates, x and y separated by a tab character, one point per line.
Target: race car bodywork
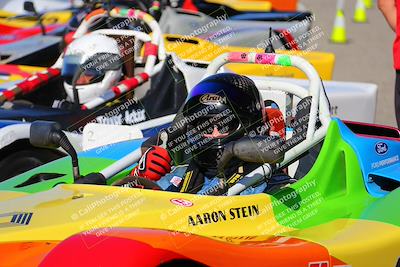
241	6
10	23
251	5
139	247
37	50
329	211
10	74
196	50
42	6
31	39
190	47
322	219
242	31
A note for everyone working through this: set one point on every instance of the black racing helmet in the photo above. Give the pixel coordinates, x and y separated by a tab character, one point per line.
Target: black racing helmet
220	109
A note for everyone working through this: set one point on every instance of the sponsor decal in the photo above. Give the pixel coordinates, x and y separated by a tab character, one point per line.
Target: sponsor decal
385	162
318	264
223	215
212	99
176	181
135	116
381	148
129	117
181	202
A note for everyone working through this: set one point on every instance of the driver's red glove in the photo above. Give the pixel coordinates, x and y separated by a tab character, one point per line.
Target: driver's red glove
154	164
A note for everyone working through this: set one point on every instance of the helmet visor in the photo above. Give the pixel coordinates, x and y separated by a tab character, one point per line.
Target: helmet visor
71	64
92	70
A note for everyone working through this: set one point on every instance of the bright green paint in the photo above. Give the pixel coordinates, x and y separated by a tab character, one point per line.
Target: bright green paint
284	60
333	188
123	12
61	166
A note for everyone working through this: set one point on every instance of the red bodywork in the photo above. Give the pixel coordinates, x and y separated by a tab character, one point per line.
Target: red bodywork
374	130
10	35
143	247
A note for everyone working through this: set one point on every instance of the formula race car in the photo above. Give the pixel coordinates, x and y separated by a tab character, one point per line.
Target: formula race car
342	181
32	37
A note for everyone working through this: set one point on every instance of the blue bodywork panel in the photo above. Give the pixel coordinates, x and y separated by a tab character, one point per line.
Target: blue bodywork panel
377	156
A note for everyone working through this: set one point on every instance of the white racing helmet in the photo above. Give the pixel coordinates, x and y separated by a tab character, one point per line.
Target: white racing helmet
99	61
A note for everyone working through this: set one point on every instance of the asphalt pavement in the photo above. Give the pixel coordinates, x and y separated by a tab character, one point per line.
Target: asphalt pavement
367	57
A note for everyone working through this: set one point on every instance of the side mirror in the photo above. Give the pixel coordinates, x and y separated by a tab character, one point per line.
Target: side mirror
30	7
48	134
45	134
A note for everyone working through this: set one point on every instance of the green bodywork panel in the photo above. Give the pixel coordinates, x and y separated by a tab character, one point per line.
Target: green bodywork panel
63	167
333	186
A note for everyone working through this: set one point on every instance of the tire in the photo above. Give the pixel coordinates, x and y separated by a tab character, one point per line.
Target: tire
24	160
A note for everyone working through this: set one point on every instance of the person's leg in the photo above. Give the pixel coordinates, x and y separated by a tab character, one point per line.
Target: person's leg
397	98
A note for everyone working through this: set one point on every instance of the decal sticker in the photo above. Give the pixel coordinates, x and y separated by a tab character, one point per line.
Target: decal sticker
265	58
181	202
212	99
22	218
223	215
238	57
381	148
131	117
384	162
15	218
176	181
319	264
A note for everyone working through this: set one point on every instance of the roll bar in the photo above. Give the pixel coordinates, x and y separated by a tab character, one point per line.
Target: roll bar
319	104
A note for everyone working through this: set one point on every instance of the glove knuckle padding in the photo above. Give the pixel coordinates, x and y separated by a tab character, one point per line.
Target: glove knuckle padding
162	153
154	163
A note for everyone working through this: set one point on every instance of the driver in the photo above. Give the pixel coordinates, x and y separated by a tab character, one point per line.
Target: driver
221	110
